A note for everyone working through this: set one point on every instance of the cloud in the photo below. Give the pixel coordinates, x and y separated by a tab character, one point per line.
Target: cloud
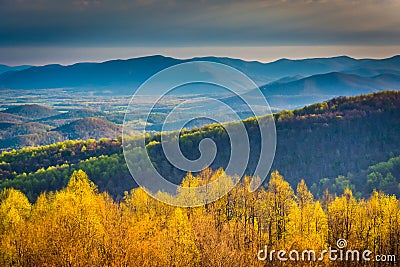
206	22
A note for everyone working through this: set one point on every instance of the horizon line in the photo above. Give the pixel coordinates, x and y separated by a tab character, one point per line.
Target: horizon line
100	61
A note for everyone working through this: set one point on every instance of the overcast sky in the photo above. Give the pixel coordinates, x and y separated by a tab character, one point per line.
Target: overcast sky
67	31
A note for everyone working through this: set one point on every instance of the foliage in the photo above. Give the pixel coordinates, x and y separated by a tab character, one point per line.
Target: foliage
78	226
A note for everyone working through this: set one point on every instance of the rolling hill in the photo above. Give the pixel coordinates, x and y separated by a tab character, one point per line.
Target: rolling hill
32	112
66	117
90	128
23	129
34	125
31	140
10	118
76	113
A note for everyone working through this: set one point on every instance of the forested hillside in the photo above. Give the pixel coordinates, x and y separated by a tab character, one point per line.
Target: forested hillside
317	143
32	111
90	128
331	145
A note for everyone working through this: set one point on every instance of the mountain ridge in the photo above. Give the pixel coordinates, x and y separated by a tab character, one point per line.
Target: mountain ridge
128	73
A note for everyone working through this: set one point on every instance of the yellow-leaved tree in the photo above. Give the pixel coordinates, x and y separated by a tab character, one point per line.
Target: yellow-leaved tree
308	224
180	247
15	209
277	204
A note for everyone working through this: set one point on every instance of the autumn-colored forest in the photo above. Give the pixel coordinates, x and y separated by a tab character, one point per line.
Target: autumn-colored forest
77	226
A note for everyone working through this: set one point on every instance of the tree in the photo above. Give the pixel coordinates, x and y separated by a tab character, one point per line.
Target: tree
308	225
342	216
279	200
15	209
182	250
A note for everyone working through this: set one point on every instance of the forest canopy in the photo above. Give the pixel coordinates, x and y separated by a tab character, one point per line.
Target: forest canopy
78	226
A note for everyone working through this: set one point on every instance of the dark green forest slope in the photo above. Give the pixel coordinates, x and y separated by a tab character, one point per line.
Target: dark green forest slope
345	142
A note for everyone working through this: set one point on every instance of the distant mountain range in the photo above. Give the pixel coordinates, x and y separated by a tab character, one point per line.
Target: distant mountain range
285	75
5	68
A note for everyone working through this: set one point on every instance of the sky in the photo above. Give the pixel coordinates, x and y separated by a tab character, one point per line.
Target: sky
66	31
